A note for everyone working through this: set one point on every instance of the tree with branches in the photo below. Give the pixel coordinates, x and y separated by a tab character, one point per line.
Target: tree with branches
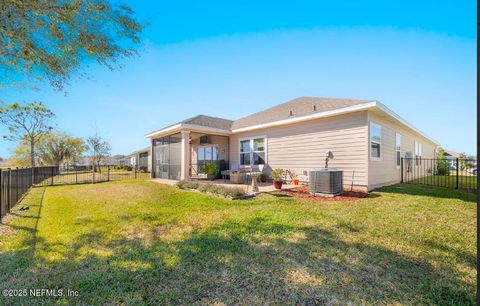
57	148
99	149
50	39
27	123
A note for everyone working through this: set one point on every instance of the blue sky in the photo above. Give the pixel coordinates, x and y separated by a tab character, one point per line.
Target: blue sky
230	60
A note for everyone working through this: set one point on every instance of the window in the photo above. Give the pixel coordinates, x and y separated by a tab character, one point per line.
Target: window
252	151
207	153
418	154
375	141
245	152
398	149
259	151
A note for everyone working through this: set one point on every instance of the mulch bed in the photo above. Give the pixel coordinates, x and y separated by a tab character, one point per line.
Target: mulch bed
303	193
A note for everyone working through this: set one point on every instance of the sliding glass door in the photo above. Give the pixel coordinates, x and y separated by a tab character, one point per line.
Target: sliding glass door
206	154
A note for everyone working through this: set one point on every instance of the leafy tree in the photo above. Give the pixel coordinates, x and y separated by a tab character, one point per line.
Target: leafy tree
21	155
49	39
442	163
99	149
56	148
462	160
28	123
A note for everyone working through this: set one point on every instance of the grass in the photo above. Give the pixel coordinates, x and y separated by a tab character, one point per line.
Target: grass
464	182
89	176
138	242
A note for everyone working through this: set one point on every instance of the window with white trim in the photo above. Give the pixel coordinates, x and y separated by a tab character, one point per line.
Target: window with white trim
245	152
252	151
398	149
418	154
375	141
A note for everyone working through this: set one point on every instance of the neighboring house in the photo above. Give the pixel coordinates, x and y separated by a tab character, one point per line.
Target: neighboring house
367	140
140	160
451	157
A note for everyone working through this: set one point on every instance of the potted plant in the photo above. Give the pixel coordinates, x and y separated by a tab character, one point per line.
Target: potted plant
277	175
211	169
263	177
293	177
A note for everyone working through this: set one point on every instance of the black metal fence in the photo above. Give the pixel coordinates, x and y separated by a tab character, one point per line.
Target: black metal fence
14	183
451	173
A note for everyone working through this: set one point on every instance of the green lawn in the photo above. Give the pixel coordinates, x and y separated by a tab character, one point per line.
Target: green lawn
138	242
466	182
81	177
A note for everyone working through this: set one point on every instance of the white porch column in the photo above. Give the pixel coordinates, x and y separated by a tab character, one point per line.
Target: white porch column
185	155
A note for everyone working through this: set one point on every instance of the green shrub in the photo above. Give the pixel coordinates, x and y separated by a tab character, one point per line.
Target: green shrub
187	185
278	174
124	167
441	163
203	187
211	168
211	188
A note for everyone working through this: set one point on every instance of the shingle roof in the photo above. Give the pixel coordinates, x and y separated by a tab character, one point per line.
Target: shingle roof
208	121
295	108
451	153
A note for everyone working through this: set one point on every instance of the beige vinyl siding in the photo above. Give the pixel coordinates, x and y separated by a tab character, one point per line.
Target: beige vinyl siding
302	146
384	171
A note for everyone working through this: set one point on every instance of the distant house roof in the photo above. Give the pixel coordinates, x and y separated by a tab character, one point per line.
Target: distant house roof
451	153
295	108
146	149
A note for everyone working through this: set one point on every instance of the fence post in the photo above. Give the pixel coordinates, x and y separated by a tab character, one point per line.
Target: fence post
9	187
16	183
401	170
51	181
456	187
108	173
1	194
135	171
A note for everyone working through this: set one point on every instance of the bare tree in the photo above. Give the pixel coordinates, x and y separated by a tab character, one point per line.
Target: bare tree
27	123
99	149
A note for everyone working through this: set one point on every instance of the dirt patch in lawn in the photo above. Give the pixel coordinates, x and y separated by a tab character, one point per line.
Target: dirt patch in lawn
303	193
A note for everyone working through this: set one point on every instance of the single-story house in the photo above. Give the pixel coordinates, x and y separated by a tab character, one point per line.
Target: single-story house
367	140
451	157
140	159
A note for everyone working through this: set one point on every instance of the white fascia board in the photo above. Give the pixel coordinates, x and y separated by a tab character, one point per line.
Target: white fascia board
189	127
164	131
330	113
205	129
403	121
